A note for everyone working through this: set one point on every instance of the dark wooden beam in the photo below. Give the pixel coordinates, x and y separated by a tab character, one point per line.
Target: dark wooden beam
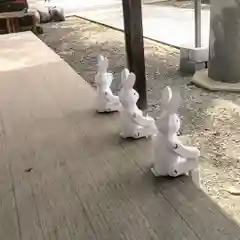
132	12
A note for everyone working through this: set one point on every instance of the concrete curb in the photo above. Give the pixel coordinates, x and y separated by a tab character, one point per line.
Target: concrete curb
119	29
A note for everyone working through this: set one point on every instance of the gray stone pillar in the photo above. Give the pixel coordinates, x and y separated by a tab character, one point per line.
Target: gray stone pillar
224	49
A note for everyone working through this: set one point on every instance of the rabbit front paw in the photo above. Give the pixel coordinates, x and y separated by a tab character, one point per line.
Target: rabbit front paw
137	135
123	135
151	121
197	153
173	173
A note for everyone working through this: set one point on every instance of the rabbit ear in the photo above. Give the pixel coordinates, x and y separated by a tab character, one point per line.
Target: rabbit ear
166	97
110	78
124	75
130	81
175	101
106	62
100	58
102	63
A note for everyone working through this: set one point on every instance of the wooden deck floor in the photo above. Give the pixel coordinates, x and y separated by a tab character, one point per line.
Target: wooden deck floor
64	172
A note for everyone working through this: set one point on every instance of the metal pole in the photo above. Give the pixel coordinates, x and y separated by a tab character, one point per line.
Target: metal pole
197	13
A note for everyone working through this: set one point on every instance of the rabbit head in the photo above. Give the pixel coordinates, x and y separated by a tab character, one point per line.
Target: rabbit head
102	64
166	97
128	96
124	75
106	81
170	100
169	123
103	78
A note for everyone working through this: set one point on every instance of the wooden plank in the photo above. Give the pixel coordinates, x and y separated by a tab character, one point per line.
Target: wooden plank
132	13
48	208
12	19
118	198
77	189
59	214
8	25
16	104
202	215
18	14
84	182
9	225
29	223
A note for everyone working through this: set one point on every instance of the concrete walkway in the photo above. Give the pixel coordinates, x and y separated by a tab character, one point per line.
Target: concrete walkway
170	25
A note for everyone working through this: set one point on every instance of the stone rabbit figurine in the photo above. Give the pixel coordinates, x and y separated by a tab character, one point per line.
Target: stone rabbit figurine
133	123
172	157
106	101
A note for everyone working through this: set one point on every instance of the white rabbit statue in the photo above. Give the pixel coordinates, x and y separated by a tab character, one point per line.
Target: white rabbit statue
106	101
172	157
133	123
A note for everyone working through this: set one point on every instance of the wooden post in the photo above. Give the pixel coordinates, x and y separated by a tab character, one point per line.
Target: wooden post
132	12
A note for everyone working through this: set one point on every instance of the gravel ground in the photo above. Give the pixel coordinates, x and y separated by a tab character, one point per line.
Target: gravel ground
210	120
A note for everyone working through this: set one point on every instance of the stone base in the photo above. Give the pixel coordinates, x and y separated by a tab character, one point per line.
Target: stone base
193	59
201	79
190	67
